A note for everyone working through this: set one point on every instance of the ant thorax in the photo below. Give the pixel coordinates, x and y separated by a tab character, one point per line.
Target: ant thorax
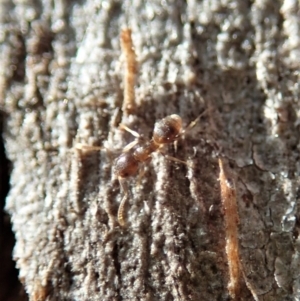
142	151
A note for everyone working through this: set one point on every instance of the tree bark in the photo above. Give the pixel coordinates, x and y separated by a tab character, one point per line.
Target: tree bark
61	85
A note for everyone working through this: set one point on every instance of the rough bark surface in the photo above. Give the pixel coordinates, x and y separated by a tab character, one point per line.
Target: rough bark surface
61	84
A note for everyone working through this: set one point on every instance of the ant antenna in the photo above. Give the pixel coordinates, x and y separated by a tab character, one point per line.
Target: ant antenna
194	122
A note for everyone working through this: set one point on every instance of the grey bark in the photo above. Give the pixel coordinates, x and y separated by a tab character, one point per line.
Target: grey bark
61	85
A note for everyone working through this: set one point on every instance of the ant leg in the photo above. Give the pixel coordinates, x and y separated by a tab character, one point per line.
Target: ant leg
175	144
124	188
129	130
132	132
142	172
121	218
171	158
90	148
129	146
85	147
130	72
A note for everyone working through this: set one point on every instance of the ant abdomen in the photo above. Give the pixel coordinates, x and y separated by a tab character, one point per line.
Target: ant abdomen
126	165
167	130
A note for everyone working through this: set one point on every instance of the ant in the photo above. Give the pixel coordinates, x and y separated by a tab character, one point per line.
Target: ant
166	131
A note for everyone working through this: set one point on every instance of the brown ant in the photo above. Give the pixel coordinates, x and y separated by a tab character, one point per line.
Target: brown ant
166	131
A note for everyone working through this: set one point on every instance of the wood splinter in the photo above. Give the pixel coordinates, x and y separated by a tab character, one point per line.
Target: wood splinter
130	71
228	196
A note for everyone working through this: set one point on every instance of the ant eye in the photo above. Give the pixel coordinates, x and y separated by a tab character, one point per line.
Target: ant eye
126	165
167	130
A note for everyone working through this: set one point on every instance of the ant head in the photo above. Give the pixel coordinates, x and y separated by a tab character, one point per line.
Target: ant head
126	165
167	130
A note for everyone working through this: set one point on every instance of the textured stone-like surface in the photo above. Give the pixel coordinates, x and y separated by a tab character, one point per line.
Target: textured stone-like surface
61	84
